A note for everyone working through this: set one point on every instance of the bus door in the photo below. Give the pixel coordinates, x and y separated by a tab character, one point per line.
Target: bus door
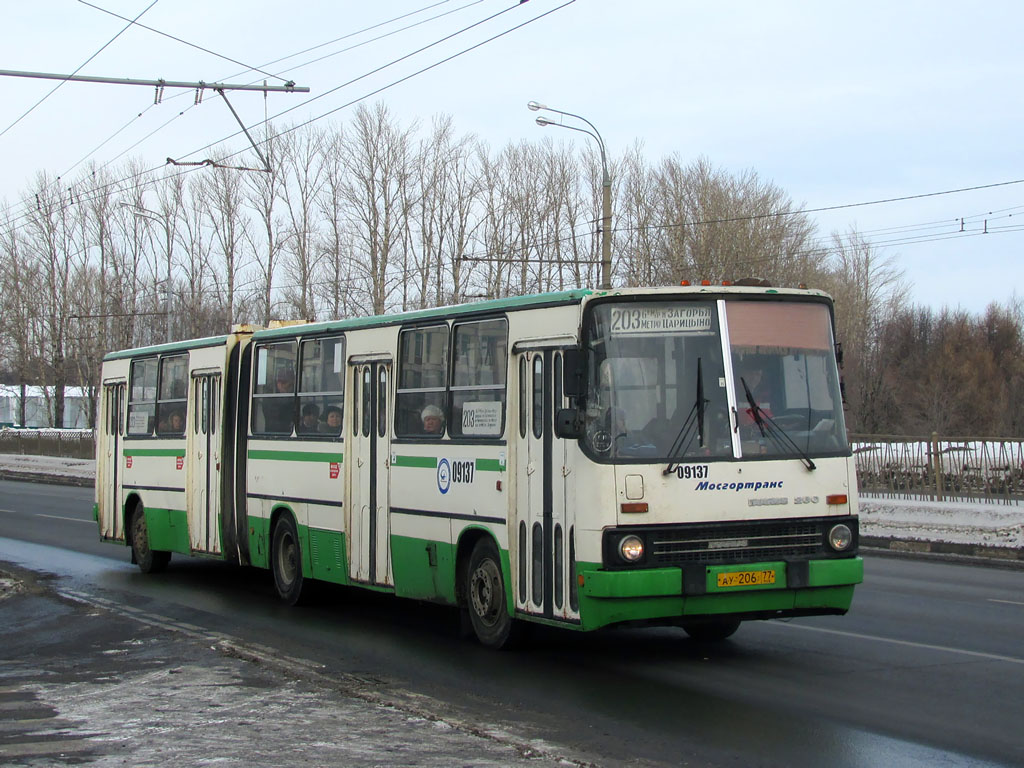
113	435
369	463
204	458
543	520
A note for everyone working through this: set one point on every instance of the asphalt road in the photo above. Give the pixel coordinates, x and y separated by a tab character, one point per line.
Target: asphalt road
927	669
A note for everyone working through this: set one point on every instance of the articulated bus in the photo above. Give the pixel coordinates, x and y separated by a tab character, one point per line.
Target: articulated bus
661	456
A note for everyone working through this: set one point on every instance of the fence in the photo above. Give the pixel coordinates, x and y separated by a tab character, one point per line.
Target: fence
69	443
941	469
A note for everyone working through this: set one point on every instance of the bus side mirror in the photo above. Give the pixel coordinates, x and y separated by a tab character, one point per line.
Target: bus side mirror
567	423
572	372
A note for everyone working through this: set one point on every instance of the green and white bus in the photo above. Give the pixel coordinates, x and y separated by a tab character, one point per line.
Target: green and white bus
661	456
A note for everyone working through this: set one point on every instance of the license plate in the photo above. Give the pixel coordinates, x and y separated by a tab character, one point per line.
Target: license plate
745	578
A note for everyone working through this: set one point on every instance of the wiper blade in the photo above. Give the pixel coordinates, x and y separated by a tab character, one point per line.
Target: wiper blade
771	430
695	418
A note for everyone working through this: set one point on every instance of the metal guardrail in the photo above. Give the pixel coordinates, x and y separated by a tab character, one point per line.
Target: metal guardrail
68	443
935	468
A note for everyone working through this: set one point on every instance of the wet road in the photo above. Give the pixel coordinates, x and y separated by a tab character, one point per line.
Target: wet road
927	669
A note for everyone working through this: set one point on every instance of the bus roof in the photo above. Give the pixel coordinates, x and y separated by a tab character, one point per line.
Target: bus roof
533	301
477	307
173	346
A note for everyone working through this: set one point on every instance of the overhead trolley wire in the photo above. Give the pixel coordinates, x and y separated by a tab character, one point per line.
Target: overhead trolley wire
365	96
351	34
385	66
58	85
179	40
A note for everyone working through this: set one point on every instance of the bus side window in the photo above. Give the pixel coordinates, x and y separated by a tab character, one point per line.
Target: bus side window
173	397
355	402
322	387
273	397
538	395
479	359
142	397
367	394
422	379
523	397
382	401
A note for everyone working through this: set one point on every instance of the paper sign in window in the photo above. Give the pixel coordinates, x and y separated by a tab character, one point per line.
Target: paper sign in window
481	418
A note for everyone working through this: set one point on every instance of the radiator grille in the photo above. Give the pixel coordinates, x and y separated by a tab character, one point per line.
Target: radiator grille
737	543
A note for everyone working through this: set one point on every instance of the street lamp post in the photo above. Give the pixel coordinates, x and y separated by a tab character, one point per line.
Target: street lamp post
606	185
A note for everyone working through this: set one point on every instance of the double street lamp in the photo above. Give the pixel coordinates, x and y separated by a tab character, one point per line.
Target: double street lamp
606	184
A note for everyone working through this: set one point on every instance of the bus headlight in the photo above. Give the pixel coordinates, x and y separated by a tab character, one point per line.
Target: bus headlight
840	537
631	548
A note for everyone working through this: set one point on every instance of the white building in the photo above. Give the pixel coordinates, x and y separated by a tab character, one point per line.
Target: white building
39	407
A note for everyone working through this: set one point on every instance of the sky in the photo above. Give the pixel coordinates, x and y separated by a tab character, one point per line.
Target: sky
837	103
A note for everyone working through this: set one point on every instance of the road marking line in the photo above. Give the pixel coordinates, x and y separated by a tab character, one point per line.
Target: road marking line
1008	602
908	643
72	519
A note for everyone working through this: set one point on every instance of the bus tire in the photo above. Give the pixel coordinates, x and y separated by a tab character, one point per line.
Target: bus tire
711	631
485	598
148	560
286	561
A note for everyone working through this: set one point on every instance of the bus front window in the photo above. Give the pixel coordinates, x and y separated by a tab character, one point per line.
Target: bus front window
656	386
785	379
657	389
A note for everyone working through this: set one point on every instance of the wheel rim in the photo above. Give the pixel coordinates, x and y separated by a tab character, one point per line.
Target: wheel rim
485	592
286	559
139	537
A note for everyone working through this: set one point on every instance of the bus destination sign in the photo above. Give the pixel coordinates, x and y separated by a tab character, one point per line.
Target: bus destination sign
659	319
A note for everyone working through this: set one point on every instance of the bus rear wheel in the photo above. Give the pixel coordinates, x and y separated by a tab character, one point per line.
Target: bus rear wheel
711	631
148	560
286	561
485	598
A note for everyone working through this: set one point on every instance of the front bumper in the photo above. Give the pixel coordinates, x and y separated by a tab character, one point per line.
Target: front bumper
665	595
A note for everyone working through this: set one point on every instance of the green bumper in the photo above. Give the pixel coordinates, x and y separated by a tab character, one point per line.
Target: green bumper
653	594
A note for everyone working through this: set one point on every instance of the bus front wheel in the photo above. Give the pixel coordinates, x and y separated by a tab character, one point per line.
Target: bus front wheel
286	559
148	560
485	598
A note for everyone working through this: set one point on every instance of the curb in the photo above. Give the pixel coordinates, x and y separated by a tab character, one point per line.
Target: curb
974	554
43	477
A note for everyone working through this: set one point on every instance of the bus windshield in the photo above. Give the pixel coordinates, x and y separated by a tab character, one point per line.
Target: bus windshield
663	380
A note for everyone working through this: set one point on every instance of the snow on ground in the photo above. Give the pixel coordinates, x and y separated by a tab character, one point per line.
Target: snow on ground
992	525
48	465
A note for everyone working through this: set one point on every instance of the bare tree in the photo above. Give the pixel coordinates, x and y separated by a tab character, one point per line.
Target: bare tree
224	202
302	155
335	283
376	154
718	226
263	194
868	288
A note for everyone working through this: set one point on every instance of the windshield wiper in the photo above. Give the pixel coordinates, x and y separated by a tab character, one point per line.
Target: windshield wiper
695	417
771	430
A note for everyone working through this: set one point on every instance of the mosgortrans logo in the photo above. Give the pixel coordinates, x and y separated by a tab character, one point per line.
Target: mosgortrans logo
444	475
706	486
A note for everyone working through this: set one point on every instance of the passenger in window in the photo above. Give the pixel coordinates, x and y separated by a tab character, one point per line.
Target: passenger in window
310	418
174	422
332	423
278	411
433	420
